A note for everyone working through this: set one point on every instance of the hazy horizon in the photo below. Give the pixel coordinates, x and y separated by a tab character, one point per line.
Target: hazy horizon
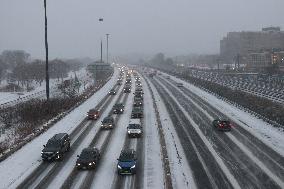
142	27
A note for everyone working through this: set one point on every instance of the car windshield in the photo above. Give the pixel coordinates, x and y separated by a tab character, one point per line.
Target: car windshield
126	156
93	111
86	155
118	105
107	120
134	126
53	144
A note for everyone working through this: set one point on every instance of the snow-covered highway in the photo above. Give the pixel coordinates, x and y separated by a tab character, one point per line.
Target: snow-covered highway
179	147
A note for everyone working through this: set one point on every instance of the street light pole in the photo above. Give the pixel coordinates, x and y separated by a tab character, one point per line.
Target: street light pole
46	55
107	46
101	51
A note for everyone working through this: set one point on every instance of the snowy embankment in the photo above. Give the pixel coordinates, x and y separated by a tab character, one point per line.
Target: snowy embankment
272	136
28	157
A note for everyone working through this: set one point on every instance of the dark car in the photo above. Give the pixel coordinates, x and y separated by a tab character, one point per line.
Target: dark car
93	114
128	80
88	159
107	123
222	125
56	147
136	98
139	89
138	84
127	162
138	94
118	108
119	82
138	103
127	90
179	84
137	112
112	92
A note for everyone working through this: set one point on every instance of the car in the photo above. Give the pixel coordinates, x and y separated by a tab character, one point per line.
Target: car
119	82
136	98
88	159
128	80
138	84
138	94
139	89
167	77
137	112
118	108
93	114
127	90
222	124
138	103
107	123
112	92
56	147
127	162
179	84
134	128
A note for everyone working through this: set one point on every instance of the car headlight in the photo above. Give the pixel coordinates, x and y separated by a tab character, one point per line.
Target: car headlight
133	167
78	164
128	132
57	152
118	166
120	109
90	163
139	131
110	125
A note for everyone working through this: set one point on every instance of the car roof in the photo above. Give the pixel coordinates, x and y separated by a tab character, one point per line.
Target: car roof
127	152
93	110
108	118
59	136
90	149
134	121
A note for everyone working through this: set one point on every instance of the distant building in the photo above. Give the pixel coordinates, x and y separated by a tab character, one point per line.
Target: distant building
259	61
246	42
100	70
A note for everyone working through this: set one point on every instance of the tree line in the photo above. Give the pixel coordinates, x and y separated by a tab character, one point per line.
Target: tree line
16	66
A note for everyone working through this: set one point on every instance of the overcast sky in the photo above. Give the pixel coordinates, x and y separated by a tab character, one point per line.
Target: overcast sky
135	26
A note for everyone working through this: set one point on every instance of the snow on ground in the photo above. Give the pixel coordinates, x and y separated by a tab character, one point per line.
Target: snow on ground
28	158
153	167
273	137
81	74
180	170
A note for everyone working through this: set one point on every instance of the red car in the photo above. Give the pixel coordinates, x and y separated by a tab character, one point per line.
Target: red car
222	125
93	114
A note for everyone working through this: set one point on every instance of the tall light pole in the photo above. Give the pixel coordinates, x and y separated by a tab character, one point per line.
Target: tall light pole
101	50
46	55
107	46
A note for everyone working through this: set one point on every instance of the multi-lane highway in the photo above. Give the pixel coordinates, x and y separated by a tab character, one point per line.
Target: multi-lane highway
179	147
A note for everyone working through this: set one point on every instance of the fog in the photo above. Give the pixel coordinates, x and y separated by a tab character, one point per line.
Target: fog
135	26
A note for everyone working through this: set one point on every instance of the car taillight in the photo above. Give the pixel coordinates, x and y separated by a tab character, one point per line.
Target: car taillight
220	125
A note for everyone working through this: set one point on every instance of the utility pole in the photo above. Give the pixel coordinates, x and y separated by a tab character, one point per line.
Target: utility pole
107	46
46	55
101	51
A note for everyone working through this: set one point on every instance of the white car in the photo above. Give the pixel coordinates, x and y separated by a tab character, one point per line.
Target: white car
134	128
